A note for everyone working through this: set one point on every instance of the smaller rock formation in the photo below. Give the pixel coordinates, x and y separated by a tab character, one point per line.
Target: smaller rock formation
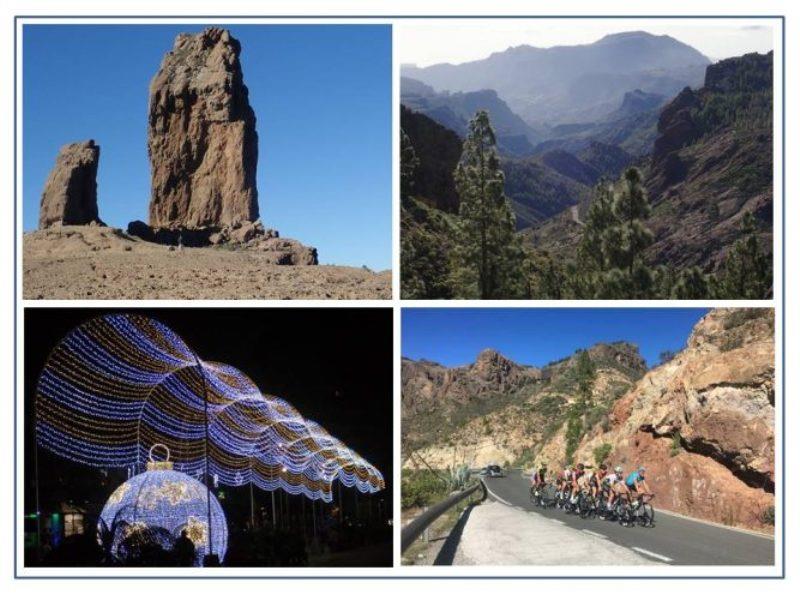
238	235
70	192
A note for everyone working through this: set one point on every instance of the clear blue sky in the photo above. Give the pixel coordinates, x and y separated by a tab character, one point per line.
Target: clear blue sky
536	336
322	97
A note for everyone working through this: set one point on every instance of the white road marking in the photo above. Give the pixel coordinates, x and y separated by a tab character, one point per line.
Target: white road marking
594	533
496	497
556	521
652	554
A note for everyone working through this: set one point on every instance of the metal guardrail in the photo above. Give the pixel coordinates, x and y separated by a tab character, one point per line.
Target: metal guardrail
416	528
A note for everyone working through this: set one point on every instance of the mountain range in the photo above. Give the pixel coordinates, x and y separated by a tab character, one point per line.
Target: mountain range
573	84
704	145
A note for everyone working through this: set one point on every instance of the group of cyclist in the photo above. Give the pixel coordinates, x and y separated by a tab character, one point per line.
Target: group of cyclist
597	483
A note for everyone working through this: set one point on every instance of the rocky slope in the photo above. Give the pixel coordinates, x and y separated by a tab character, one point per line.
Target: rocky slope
712	163
496	411
703	423
70	192
202	137
95	262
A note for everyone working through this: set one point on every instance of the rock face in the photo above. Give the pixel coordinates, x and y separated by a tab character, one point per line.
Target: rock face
70	192
703	423
202	139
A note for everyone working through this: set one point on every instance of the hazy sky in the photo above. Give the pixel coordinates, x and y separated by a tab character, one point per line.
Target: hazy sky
429	42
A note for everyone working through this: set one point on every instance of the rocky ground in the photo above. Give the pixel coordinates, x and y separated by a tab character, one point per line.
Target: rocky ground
92	262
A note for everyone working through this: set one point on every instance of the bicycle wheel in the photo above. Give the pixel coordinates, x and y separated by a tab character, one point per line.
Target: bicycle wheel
586	506
623	512
647	516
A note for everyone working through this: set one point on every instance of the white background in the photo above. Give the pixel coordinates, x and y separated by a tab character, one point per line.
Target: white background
124	589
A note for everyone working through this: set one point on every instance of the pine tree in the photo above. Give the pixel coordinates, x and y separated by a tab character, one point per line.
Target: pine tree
488	254
692	285
591	260
747	271
624	243
544	278
585	375
408	165
599	217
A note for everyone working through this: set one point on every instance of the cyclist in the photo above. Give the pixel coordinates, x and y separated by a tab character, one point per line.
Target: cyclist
566	480
539	479
543	473
636	484
612	483
576	482
596	478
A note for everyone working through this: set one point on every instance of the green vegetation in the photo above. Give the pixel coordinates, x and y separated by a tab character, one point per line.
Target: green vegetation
458	229
423	488
585	374
768	516
602	452
676	447
739	317
426	246
488	253
665	356
747	272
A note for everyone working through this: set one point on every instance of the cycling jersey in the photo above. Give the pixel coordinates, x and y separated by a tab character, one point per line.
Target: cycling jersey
595	479
611	479
633	479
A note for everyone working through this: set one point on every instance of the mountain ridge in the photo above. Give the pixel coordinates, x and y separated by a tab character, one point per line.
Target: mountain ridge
549	85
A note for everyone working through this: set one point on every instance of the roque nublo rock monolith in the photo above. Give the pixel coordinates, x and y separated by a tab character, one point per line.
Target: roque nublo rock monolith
202	139
70	192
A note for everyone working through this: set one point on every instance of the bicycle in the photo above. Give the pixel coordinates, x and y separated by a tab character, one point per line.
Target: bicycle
643	512
587	505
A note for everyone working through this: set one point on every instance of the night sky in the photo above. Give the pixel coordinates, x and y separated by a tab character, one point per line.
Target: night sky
333	364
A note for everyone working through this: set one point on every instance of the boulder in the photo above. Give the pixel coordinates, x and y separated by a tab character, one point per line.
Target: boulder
284	251
70	192
202	139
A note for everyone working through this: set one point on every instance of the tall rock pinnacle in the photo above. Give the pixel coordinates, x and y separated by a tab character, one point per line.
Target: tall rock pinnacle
70	192
202	139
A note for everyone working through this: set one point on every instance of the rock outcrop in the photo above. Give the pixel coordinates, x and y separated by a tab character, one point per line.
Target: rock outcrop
70	192
495	410
243	236
703	423
202	139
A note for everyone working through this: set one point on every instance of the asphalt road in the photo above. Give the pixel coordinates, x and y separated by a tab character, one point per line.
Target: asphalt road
674	540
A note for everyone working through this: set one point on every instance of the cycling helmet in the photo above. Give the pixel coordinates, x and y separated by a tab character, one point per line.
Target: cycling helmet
580	466
641	469
603	467
618	469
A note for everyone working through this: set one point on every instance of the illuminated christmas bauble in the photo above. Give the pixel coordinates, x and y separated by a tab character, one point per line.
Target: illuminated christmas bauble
156	507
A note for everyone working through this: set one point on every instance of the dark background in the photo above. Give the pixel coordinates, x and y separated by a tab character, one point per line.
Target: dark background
333	364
